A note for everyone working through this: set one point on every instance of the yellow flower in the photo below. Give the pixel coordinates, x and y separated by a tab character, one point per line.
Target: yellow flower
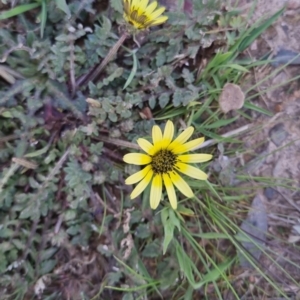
141	15
163	160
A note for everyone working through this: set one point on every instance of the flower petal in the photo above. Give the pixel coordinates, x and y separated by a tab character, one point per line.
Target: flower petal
194	158
138	176
157	12
150	8
156	134
134	5
142	185
158	21
170	190
146	146
189	146
126	7
191	171
137	158
180	183
156	191
142	6
168	134
182	138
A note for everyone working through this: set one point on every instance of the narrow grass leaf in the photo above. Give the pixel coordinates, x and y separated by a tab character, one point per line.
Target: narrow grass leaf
18	10
253	33
133	71
173	218
165	115
256	108
220	123
185	263
236	67
168	229
210	235
43	17
215	273
216	81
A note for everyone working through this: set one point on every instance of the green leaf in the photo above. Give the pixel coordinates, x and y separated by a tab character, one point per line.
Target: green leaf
133	70
43	17
173	219
3	263
218	60
220	123
18	10
6	233
185	263
152	249
152	102
253	33
236	67
48	253
113	278
70	214
188	76
163	99
116	74
211	235
128	296
105	29
73	230
161	57
96	148
18	244
142	231
168	236
117	5
31	211
169	227
249	105
177	97
214	274
62	5
47	266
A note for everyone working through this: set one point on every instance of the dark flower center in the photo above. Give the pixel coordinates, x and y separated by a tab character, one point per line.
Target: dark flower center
163	161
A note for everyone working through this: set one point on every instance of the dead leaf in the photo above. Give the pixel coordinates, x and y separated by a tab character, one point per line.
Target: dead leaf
231	98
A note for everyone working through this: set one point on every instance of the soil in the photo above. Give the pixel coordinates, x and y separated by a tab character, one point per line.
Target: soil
274	147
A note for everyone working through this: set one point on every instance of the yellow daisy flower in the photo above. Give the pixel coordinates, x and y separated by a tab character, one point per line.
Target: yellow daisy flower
162	162
141	15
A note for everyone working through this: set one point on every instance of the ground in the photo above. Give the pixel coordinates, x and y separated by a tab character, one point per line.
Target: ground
112	248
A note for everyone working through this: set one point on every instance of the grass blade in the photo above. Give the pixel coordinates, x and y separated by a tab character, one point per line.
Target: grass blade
18	10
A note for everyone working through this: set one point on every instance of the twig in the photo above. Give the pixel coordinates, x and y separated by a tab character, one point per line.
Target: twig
98	198
205	144
226	135
290	201
104	62
118	142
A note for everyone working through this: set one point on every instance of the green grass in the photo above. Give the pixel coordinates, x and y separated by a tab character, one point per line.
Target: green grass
67	223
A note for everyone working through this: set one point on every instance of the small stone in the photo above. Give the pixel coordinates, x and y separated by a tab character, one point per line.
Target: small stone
256	227
270	193
278	134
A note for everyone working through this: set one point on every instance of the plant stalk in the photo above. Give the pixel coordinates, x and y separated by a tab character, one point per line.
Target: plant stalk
105	61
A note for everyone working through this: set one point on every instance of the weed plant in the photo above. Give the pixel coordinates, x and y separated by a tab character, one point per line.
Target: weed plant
68	228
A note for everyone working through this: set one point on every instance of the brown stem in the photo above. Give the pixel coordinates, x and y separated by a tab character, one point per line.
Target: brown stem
105	61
